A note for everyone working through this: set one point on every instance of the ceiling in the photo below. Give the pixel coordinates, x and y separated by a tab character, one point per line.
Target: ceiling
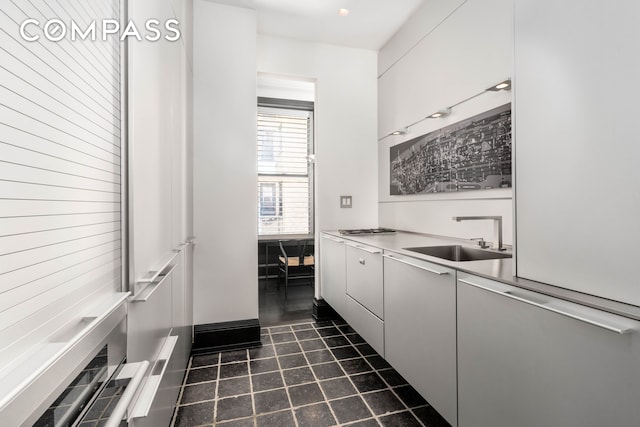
369	24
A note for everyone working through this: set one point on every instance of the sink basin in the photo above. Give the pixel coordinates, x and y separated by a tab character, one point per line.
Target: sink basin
458	253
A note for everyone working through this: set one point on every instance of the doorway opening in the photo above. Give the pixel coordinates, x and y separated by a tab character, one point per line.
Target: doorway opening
285	192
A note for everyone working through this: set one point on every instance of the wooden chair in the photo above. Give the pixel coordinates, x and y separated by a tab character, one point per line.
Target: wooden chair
299	265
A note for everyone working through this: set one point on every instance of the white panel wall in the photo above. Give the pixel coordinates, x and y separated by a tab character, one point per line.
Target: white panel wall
462	48
155	138
577	198
225	210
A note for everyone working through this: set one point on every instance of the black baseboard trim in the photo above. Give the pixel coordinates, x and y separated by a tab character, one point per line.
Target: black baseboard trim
214	337
323	311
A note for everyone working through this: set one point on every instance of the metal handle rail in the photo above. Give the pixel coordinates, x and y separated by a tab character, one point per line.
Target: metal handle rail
522	298
403	261
120	410
364	248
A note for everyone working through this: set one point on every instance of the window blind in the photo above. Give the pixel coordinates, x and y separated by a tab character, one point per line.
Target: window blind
285	180
60	171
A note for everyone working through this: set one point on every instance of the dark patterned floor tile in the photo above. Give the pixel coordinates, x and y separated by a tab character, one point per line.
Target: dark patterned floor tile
298	376
346	329
377	362
315	416
338	341
410	396
400	419
345	353
276	419
205	360
383	402
323	324
194	415
231	408
234	387
313	345
302	327
356	339
265	339
327	370
392	377
292	361
233	356
285	337
350	409
329	332
430	417
261	352
279	329
319	356
366	350
200	375
261	366
269	381
355	366
307	335
368	382
244	422
237	369
287	348
305	394
271	401
198	392
338	387
366	423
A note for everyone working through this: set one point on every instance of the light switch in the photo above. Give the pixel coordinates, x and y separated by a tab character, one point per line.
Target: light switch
345	201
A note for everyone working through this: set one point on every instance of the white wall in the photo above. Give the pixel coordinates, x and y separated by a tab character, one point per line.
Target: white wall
345	125
446	52
224	167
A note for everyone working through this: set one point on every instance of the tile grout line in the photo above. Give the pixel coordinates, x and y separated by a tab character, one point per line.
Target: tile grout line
325	347
304	354
284	384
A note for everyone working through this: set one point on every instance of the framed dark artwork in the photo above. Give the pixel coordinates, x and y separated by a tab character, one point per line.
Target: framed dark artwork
473	154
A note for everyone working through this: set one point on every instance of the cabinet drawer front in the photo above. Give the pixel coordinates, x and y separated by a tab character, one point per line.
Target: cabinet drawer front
333	273
364	277
522	364
366	324
420	329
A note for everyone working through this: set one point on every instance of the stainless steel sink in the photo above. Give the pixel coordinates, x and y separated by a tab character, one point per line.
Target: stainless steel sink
458	253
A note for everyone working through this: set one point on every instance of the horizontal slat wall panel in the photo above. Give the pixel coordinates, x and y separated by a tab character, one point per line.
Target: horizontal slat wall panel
11	208
60	172
58	311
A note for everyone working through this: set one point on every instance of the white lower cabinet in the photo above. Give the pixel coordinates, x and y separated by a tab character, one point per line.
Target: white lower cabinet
420	328
365	309
333	273
526	359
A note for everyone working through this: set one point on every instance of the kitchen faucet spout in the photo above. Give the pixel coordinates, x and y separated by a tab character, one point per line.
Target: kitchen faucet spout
497	226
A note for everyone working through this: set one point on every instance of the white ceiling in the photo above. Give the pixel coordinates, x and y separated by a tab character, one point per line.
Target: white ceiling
369	25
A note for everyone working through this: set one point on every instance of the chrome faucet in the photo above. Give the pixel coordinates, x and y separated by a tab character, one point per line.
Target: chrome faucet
497	227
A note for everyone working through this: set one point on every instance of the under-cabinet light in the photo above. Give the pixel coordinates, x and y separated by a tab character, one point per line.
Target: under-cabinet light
440	113
504	85
400	131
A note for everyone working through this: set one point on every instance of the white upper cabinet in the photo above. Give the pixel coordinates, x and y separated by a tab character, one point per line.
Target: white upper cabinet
576	150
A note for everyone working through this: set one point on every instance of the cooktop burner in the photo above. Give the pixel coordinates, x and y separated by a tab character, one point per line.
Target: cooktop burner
367	231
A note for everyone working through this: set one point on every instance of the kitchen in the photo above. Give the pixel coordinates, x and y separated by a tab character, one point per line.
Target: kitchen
570	219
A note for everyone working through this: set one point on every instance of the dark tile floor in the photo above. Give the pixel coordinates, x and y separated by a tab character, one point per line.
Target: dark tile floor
305	375
274	309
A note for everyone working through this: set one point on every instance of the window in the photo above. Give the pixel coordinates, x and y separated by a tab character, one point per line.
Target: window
285	181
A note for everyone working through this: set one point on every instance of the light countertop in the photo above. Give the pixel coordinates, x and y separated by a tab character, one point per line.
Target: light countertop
500	270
